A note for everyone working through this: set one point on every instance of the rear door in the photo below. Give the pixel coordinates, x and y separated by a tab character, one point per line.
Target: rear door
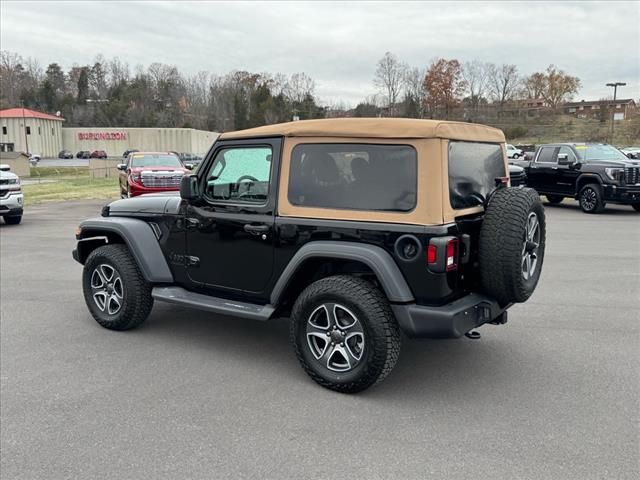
230	235
543	168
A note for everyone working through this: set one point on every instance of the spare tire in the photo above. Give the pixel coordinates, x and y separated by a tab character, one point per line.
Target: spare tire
512	242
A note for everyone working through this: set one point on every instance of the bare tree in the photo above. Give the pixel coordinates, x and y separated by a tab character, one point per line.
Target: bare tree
390	77
475	73
503	83
558	86
11	70
298	87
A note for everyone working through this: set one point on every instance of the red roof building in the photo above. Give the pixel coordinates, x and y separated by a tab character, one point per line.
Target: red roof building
26	113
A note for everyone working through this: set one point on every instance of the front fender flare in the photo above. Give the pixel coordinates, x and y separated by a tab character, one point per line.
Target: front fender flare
141	241
379	260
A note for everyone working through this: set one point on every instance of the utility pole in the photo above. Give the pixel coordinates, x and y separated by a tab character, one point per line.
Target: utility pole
615	86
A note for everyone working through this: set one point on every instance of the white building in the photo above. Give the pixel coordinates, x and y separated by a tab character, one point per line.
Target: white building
24	130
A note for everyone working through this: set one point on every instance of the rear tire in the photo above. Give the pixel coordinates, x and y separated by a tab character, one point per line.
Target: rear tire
554	199
118	296
13	220
512	244
591	199
344	333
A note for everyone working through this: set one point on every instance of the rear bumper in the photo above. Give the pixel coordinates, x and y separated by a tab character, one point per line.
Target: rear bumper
448	321
624	195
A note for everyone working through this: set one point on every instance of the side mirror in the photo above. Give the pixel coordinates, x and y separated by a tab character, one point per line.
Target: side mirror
189	187
121	166
188	166
563	159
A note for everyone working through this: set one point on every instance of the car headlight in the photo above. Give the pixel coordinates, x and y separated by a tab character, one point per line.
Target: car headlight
616	174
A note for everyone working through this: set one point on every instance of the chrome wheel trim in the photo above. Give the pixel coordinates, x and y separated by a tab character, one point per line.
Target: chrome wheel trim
107	289
335	337
588	199
530	247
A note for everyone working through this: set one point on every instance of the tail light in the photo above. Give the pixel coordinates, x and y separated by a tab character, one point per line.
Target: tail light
443	254
451	261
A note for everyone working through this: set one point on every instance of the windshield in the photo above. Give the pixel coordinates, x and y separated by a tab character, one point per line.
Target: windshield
600	152
155	160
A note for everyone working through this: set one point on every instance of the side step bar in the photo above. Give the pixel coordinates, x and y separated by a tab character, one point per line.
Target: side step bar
180	296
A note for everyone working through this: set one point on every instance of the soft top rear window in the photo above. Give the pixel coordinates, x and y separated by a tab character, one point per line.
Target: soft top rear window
354	176
473	168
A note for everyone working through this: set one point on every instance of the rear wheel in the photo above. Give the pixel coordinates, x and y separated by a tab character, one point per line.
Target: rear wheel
512	244
118	296
344	333
554	199
591	199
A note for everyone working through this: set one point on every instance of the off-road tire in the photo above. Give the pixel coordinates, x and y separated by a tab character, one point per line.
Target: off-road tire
137	300
591	191
502	244
13	220
554	199
636	206
372	309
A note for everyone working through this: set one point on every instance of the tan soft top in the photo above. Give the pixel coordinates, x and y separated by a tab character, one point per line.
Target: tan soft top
374	128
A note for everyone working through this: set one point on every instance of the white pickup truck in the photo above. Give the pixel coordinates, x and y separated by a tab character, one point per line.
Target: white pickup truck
11	198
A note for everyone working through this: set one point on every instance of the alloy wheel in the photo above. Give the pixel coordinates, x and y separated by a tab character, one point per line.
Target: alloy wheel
589	199
530	247
107	289
335	337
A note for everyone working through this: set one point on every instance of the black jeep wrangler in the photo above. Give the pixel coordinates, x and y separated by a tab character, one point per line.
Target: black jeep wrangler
355	229
592	173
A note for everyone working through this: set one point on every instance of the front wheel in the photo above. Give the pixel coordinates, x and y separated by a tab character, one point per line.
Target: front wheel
554	199
591	199
118	296
344	333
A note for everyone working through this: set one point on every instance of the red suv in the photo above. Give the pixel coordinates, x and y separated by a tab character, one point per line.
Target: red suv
98	154
151	172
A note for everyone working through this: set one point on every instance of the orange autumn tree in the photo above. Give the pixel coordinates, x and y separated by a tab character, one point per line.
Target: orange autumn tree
444	87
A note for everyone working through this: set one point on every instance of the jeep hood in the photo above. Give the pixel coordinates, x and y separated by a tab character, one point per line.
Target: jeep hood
151	204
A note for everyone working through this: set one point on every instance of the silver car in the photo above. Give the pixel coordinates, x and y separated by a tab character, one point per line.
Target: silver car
11	197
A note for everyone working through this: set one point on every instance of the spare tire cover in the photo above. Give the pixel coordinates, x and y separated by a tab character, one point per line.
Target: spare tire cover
512	243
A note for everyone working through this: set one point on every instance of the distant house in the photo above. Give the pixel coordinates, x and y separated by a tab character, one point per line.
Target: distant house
621	108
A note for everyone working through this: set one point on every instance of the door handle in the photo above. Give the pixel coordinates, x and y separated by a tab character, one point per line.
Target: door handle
256	229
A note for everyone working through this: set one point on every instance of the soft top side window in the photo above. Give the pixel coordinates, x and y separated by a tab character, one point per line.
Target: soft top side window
354	176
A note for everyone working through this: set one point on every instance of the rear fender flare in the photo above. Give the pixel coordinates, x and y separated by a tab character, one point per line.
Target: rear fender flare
377	259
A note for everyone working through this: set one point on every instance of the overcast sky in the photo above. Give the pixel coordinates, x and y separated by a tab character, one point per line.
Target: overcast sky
338	44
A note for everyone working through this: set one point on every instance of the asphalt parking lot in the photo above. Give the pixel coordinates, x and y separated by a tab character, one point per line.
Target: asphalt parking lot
554	394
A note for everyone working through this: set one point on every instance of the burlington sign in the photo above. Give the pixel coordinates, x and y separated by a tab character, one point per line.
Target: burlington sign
102	136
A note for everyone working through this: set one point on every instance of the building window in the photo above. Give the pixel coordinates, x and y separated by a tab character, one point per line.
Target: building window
28	130
53	131
4	130
572	110
39	131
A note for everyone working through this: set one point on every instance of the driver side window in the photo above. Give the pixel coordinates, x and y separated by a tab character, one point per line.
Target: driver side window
240	174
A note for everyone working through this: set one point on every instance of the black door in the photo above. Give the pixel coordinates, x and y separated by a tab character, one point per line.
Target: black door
230	235
542	171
